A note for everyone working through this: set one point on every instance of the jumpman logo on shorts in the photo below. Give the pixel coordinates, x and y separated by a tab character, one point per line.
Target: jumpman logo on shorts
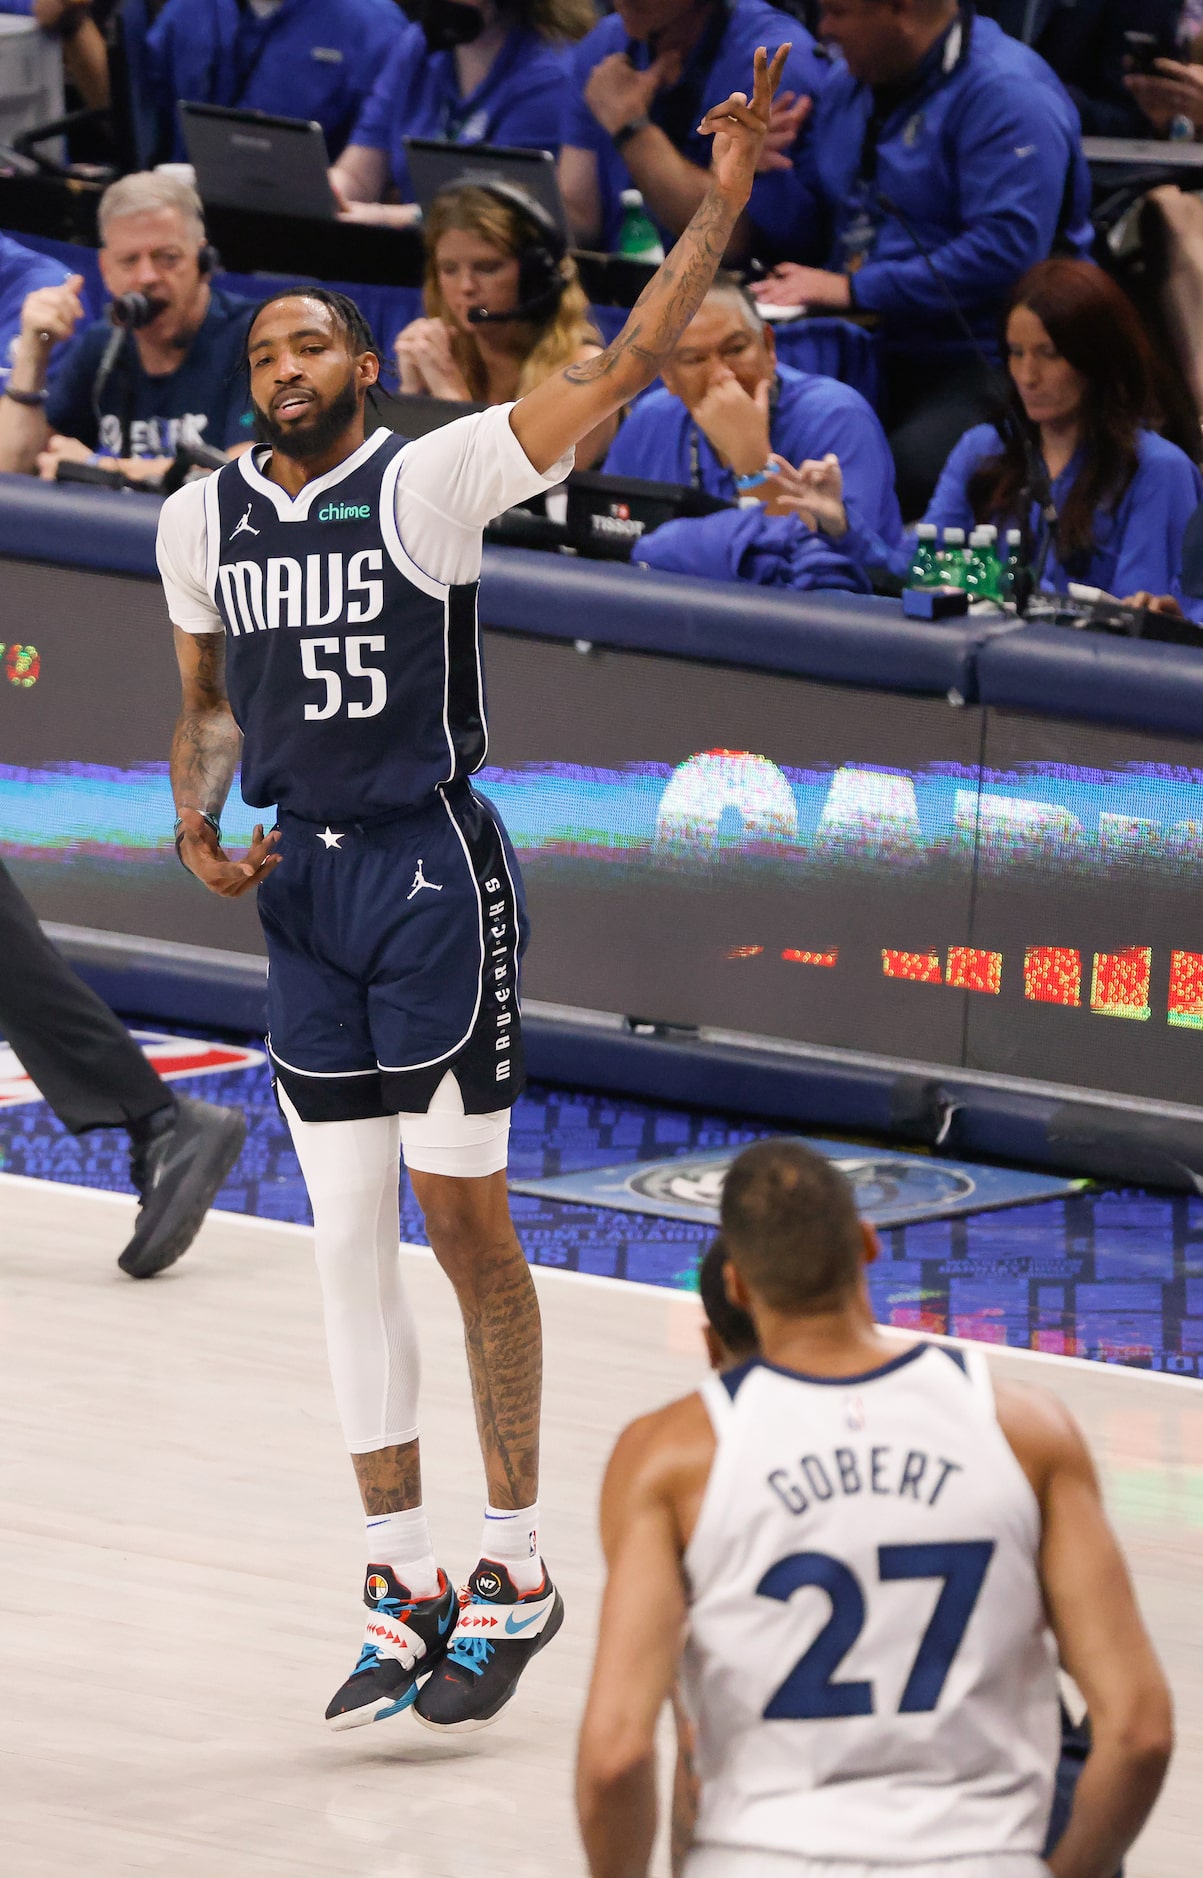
421	881
244	526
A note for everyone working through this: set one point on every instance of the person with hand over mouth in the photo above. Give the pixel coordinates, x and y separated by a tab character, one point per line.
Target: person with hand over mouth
728	413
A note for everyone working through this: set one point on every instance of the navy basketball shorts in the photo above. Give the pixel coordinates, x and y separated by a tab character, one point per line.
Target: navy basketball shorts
393	954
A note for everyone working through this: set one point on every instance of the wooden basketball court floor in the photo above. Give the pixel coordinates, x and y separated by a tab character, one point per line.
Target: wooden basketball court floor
181	1551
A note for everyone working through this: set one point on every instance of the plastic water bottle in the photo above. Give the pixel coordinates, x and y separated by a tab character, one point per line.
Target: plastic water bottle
981	568
923	571
950	560
639	238
1012	571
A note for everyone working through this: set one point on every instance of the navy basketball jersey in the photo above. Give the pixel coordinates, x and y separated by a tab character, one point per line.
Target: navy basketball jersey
354	677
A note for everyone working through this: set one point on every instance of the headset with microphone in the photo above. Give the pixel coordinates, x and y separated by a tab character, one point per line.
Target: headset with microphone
129	313
132	311
541	284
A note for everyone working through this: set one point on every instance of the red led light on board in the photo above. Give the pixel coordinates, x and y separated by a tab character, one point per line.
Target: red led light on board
1119	983
970	969
1186	990
1052	975
922	968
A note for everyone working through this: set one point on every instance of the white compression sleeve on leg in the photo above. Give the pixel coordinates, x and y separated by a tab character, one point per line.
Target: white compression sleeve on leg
352	1171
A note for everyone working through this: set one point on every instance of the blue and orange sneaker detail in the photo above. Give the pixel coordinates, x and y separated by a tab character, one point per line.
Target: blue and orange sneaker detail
497	1634
404	1638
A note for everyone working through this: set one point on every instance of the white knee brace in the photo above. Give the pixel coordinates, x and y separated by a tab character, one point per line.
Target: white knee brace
352	1171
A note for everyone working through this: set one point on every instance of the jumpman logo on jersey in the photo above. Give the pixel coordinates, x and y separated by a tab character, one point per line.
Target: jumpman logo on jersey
244	526
421	881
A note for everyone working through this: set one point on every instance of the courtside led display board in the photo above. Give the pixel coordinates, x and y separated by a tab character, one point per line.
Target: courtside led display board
701	844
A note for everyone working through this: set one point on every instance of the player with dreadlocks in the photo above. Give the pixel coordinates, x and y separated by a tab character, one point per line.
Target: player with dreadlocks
323	591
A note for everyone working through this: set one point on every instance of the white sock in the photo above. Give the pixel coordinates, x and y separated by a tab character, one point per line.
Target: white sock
511	1538
402	1541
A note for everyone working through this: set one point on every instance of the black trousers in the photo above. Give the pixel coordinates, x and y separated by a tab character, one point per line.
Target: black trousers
928	407
82	1059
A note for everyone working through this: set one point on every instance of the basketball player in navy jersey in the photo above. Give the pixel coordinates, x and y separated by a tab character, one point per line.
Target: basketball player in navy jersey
323	592
865	1550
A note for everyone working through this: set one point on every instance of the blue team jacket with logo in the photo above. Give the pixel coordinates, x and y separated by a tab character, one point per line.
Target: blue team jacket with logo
312	59
982	156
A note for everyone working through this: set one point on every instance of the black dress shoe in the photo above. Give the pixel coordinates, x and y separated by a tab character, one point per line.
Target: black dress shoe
178	1171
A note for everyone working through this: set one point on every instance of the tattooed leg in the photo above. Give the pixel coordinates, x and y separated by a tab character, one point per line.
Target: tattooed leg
469	1227
390	1479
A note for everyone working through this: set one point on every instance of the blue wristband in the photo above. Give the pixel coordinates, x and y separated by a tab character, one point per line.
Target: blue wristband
744	483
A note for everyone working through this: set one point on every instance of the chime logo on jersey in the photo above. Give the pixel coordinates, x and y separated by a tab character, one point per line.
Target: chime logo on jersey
315	590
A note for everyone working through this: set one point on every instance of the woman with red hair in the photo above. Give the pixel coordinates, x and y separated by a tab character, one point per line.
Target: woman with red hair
1082	424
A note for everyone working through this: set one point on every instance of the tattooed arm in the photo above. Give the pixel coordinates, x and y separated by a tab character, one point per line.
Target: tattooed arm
571	403
204	757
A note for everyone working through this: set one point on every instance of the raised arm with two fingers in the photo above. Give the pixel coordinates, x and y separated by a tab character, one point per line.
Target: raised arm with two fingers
567	406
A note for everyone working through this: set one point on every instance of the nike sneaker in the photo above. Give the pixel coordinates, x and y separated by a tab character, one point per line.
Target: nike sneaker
178	1171
403	1638
497	1634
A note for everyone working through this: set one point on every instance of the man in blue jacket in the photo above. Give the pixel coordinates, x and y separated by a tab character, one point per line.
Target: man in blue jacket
943	159
726	411
292	58
641	80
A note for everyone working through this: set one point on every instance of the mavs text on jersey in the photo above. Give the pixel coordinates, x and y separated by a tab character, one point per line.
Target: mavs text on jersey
868	1664
395	919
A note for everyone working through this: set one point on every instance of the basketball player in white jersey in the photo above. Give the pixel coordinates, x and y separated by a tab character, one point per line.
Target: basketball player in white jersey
323	591
854	1558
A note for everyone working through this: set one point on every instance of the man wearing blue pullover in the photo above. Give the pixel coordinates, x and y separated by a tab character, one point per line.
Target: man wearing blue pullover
943	159
726	411
641	80
292	58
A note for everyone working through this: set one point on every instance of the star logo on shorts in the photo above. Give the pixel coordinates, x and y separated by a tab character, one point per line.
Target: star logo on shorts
330	839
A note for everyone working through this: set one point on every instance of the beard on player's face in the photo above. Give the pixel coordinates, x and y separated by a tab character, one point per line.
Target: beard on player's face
321	426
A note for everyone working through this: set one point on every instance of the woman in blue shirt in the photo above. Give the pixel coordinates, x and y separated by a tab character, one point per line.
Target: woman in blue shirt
474	71
1083	402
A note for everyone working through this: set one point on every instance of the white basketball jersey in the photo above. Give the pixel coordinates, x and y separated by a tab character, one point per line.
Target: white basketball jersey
868	1662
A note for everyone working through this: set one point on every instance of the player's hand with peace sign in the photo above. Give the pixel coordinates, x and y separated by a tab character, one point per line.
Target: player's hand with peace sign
203	855
570	404
740	125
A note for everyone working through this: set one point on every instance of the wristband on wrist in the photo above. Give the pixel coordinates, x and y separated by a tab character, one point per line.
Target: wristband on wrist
181	831
34	399
744	483
625	132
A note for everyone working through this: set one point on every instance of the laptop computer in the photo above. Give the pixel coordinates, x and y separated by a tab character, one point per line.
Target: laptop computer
435	165
249	160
